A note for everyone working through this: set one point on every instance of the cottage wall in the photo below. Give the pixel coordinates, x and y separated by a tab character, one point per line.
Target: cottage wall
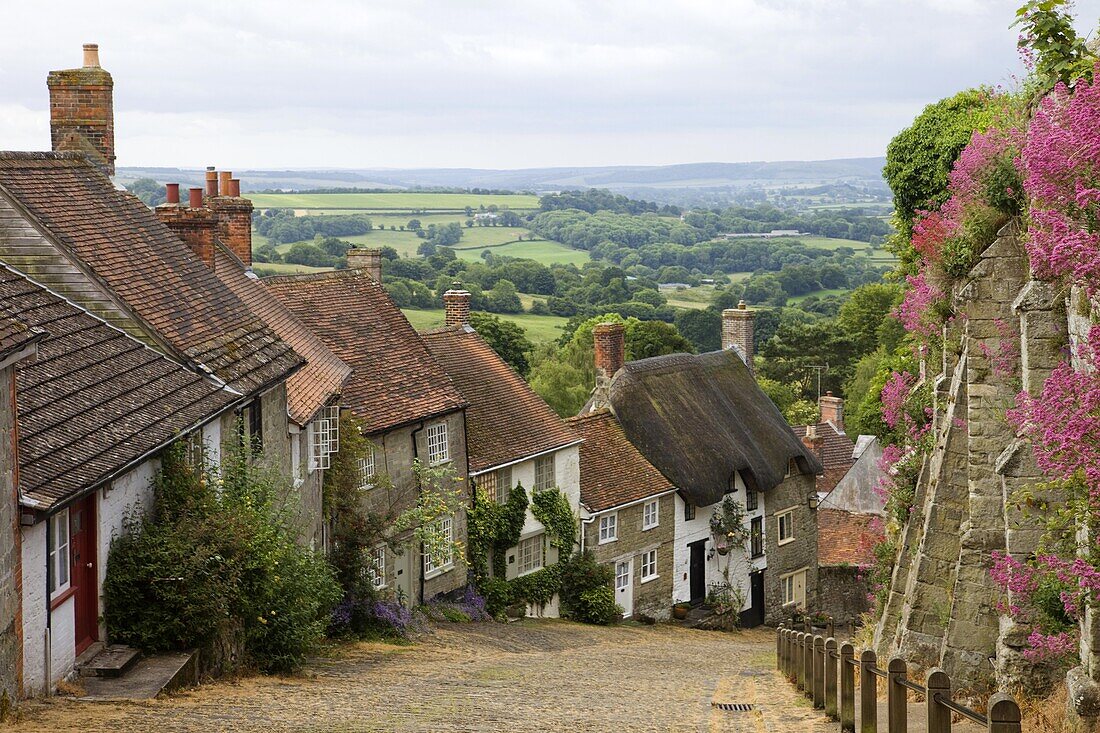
62	628
801	554
653	598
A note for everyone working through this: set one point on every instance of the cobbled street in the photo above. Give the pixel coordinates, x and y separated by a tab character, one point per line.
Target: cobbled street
528	676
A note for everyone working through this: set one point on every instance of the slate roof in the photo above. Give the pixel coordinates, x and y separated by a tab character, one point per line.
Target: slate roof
505	420
613	472
314	385
94	400
394	380
846	538
123	245
699	418
836	453
15	335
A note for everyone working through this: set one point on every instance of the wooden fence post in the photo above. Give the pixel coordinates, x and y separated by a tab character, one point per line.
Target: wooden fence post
868	693
939	717
896	697
819	672
1004	714
779	648
808	665
830	677
847	688
799	653
788	653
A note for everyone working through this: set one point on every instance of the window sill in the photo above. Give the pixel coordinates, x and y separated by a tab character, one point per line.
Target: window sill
439	571
608	541
61	597
787	541
299	483
649	579
442	462
652	526
528	572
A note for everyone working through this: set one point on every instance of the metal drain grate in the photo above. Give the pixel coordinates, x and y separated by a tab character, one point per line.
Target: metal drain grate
733	707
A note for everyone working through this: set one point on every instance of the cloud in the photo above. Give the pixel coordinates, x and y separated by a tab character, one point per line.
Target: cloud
505	83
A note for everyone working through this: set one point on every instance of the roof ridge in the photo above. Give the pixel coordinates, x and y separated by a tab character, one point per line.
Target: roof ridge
41	155
602	412
327	275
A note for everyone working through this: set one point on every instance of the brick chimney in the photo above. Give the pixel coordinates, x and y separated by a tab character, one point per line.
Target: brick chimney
366	258
813	442
737	331
82	117
233	212
456	305
610	342
195	224
832	410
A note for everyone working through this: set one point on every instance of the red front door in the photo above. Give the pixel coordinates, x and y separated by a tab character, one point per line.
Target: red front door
84	580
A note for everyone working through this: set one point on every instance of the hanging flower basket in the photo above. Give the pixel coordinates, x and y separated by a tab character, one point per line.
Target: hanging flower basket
722	545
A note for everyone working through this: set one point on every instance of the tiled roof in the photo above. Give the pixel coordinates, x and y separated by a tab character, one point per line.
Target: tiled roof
613	472
14	334
835	453
123	245
505	419
312	386
94	400
394	381
844	538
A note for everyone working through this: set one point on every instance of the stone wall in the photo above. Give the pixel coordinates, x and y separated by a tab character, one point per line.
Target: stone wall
942	608
794	493
842	594
11	577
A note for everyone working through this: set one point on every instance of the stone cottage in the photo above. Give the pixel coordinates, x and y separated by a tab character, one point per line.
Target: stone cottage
629	516
703	422
512	436
410	410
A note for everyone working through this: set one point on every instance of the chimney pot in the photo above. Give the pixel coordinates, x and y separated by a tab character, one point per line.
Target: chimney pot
91	55
211	181
223	182
737	328
456	305
194	199
172	190
610	342
235	187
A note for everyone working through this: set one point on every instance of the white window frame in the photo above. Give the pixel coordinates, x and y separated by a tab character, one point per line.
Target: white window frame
649	566
781	538
786	585
529	554
504	484
545	477
60	557
651	519
609	528
377	567
368	469
431	569
439	451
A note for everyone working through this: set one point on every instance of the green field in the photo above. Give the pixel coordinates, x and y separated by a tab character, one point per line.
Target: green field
541	250
540	329
401	201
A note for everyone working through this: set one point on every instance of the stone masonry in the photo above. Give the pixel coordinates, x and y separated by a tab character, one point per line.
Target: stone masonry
737	330
82	116
942	605
11	575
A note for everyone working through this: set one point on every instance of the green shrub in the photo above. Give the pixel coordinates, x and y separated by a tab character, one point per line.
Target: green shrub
582	579
597	606
498	595
209	566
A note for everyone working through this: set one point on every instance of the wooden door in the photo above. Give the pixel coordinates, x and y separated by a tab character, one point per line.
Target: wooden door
698	571
754	616
403	577
85	583
624	586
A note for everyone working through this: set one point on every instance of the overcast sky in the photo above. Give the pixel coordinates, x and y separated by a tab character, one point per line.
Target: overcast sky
508	84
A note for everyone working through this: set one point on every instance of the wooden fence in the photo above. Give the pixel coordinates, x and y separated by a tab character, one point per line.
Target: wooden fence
826	671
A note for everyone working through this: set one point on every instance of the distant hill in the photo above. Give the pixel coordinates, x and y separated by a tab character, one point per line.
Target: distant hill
863	172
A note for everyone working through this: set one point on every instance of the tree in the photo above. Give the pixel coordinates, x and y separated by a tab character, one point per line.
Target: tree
414	225
148	190
503	298
507	338
702	327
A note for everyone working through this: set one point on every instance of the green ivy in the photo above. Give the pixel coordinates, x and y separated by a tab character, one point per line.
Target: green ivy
539	587
551	507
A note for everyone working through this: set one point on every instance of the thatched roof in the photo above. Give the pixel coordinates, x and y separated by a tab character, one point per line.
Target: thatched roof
699	418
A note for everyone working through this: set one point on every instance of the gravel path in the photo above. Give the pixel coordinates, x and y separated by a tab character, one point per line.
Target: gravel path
528	676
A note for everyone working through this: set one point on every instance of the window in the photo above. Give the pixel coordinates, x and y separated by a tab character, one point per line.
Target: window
786	526
794	588
487	482
609	528
438	450
367	469
650	518
377	568
504	485
437	565
530	554
752	501
544	473
756	536
649	565
59	553
689	512
324	437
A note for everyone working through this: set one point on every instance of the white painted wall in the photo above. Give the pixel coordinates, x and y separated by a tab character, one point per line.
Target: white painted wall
130	494
212	437
62	627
